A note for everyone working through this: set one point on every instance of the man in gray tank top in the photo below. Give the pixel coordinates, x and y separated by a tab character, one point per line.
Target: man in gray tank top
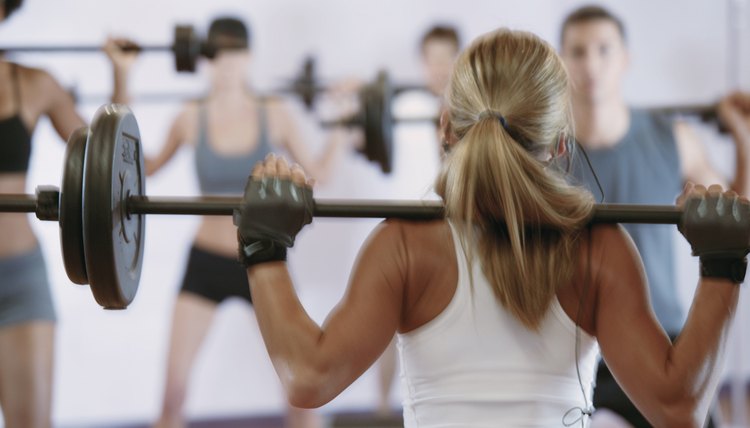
638	158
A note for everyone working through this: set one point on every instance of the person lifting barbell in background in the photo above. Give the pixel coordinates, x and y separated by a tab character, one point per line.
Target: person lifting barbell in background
27	312
230	129
417	151
502	307
639	157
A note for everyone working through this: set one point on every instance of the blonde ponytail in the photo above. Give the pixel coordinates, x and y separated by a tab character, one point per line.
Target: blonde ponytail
524	218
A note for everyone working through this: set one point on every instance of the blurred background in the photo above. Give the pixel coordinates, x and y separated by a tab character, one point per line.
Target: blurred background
110	365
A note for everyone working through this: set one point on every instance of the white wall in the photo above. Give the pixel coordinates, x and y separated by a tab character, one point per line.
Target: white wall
110	365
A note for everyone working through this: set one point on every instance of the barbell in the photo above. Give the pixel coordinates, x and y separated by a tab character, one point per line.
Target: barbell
374	117
186	47
101	207
376	120
299	86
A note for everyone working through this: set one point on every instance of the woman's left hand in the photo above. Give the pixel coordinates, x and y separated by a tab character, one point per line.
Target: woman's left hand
277	203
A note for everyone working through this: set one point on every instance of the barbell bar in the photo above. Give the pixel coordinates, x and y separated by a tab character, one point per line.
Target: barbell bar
102	205
330	208
186	47
307	86
297	86
377	121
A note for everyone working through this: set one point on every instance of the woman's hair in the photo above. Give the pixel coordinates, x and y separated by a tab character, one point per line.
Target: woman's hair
441	32
229	32
591	13
509	106
11	6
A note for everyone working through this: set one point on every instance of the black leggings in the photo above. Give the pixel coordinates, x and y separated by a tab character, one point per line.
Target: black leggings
215	277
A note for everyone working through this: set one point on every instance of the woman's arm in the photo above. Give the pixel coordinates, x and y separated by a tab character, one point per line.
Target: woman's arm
182	129
672	384
734	112
315	363
58	104
320	168
122	62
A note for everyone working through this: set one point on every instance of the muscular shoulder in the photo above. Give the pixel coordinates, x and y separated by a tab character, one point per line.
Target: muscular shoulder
608	238
36	76
427	248
604	251
414	243
189	111
277	108
186	121
614	255
415	233
40	86
428	267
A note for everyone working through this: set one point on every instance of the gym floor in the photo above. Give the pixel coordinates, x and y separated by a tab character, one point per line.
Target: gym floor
340	420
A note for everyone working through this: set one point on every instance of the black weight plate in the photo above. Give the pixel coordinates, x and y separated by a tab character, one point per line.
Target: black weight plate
385	99
378	122
186	48
113	239
71	216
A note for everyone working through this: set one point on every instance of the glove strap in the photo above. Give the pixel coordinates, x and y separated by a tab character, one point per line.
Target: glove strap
733	269
261	252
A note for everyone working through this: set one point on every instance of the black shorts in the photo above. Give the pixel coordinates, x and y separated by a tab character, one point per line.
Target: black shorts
215	277
608	395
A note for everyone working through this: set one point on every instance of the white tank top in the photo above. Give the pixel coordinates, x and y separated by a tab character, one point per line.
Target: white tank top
476	365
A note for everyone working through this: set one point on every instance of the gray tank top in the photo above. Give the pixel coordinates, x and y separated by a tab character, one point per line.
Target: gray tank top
220	174
644	168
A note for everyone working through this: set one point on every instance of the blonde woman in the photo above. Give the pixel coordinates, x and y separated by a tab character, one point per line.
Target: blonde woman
501	309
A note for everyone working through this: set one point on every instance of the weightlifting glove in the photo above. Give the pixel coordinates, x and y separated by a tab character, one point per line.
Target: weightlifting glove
718	230
273	211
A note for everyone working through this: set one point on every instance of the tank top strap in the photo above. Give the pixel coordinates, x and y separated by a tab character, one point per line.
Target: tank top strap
16	86
264	138
202	124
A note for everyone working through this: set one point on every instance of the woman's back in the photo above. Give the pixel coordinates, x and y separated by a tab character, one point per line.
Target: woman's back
505	373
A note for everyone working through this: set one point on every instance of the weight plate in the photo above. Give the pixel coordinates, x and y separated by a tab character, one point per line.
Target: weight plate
384	99
186	48
71	216
378	122
113	239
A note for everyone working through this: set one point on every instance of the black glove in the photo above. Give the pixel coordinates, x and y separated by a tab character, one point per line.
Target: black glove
273	211
718	229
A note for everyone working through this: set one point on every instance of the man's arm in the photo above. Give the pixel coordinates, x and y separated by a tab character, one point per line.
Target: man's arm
734	113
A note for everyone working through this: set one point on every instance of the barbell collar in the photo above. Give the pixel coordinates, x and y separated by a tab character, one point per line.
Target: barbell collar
47	203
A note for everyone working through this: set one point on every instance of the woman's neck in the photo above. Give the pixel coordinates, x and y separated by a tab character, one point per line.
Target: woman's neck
601	124
234	93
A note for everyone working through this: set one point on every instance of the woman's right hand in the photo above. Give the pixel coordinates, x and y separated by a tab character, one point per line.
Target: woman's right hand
716	223
345	103
122	60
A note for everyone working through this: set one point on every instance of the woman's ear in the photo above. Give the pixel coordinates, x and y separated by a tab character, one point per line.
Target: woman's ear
446	133
562	145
